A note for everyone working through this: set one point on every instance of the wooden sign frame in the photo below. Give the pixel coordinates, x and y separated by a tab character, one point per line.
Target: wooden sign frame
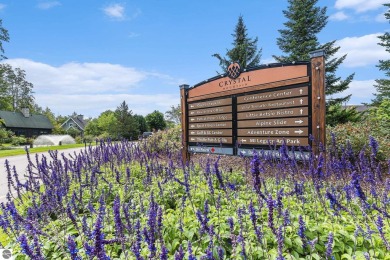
281	102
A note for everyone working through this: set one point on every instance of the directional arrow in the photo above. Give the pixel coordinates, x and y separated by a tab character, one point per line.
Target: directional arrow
301	111
300	91
192	126
192	112
193	133
193	139
191	106
299	131
301	100
192	119
243	140
298	122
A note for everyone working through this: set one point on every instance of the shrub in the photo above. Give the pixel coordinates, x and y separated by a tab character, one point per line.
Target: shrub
19	140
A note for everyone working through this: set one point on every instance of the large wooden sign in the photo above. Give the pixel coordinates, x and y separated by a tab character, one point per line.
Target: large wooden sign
254	109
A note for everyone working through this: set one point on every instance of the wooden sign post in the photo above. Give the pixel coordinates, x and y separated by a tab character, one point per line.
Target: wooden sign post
253	109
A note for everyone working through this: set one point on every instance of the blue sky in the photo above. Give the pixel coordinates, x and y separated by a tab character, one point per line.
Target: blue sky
88	56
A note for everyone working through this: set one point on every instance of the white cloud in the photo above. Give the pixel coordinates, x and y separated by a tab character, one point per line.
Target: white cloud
90	88
362	91
360	5
339	16
48	4
268	60
361	51
381	18
116	11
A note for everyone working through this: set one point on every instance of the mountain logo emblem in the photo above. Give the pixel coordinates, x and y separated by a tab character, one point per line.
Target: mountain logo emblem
234	70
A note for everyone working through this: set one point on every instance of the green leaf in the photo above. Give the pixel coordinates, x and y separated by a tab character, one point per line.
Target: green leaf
346	256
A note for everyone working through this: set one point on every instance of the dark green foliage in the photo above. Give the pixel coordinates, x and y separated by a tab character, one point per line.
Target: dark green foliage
155	121
304	22
126	127
142	126
4	37
383	85
336	114
15	91
244	49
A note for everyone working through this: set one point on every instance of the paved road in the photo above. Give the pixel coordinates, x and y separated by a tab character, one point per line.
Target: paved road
20	162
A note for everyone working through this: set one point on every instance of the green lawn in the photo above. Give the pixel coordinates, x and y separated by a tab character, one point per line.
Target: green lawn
7	153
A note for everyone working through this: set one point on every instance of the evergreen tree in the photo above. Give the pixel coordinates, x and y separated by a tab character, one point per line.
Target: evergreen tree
299	38
127	126
244	49
383	85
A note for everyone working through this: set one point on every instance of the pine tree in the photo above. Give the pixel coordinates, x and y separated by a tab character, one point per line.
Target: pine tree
305	21
244	49
383	85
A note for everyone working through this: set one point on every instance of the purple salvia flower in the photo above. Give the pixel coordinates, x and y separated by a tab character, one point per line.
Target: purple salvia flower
71	215
356	185
210	184
220	252
190	253
329	246
218	174
37	249
117	217
231	224
301	231
366	255
279	203
255	171
286	218
85	228
26	249
374	145
164	253
179	254
379	225
280	240
136	248
72	247
270	205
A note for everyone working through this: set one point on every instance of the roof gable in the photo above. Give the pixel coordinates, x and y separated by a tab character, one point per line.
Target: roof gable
17	120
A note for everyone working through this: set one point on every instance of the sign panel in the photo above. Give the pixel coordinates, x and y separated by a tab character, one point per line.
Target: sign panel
210	111
296	121
211	103
223	117
215	132
285	112
293	102
273	132
290	141
213	140
275	153
287	93
211	125
273	104
216	150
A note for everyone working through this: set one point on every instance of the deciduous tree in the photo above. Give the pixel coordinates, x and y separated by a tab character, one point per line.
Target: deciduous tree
155	120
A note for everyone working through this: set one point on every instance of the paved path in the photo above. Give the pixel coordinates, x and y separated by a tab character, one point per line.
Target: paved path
20	162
